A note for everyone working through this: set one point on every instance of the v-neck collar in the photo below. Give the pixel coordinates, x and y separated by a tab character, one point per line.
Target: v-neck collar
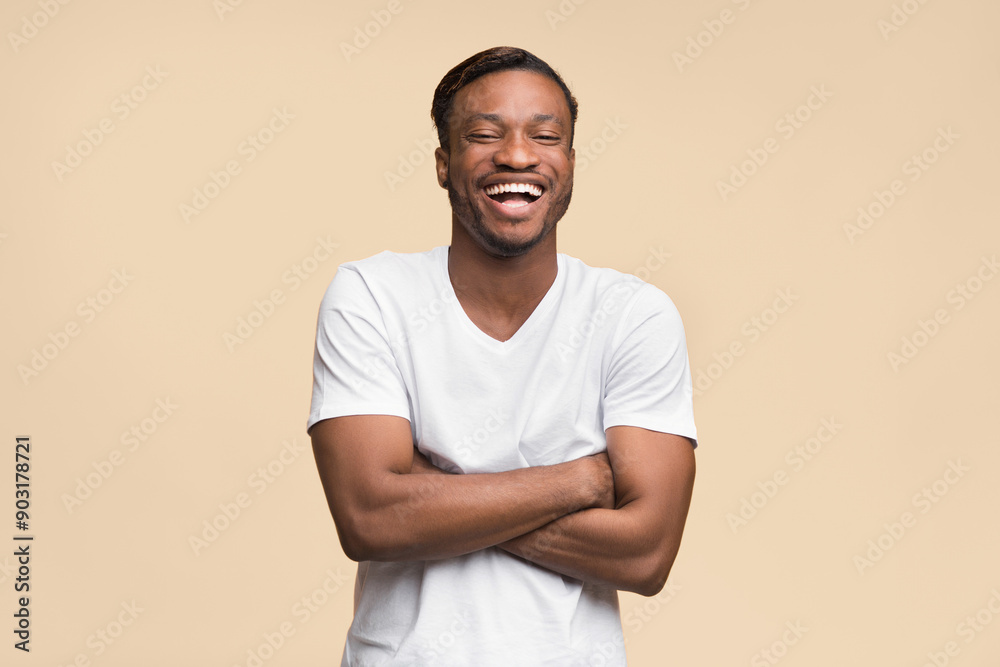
524	331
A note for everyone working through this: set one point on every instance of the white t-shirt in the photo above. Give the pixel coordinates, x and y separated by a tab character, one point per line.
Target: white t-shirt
601	349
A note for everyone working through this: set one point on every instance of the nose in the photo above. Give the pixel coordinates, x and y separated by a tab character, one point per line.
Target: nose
516	151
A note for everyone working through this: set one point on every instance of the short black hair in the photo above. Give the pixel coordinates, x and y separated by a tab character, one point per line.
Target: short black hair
496	59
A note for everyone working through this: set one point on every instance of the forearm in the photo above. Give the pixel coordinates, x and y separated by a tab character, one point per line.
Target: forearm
600	546
633	546
426	517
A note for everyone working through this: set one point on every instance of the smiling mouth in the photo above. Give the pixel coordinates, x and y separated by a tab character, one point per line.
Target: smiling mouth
513	195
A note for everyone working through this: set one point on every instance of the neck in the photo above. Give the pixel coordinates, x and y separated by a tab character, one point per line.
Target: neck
507	286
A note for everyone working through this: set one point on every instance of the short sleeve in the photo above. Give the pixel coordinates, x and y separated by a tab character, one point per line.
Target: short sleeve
649	377
354	367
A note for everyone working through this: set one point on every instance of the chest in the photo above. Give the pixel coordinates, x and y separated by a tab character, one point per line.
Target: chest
479	411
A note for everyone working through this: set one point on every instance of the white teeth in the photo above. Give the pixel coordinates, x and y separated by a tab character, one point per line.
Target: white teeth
530	188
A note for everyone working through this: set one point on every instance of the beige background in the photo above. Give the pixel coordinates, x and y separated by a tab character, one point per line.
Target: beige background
671	133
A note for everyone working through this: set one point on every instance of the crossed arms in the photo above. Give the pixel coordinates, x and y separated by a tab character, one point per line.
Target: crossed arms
614	519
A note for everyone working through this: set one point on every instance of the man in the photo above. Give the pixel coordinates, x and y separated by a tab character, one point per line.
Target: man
504	434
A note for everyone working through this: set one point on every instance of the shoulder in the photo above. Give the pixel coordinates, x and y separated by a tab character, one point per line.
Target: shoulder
613	289
391	264
385	274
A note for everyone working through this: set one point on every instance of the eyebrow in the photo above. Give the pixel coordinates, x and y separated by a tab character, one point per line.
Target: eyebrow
497	118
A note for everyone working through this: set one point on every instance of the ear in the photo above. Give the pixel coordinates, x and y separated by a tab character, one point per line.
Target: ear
441	165
572	159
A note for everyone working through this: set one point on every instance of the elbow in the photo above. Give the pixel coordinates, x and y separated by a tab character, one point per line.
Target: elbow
371	535
650	576
353	545
371	528
354	549
650	586
358	539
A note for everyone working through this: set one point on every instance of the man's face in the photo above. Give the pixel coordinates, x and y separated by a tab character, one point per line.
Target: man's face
509	167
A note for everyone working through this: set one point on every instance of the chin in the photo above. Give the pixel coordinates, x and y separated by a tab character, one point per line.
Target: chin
482	225
504	246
